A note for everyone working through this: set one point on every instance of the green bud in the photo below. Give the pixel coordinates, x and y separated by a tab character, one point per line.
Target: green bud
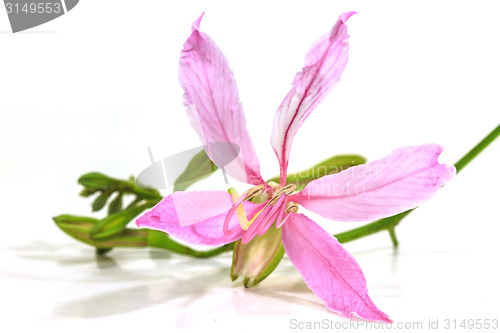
79	227
257	259
87	192
100	201
96	180
330	166
115	206
113	225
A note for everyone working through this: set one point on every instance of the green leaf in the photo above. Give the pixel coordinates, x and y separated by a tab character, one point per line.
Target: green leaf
112	225
330	166
257	259
96	180
198	168
115	206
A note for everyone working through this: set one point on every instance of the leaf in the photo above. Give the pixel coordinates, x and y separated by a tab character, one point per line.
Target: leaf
330	166
198	168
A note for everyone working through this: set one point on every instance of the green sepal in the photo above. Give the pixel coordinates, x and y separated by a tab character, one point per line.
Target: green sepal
257	259
198	168
97	180
112	225
330	166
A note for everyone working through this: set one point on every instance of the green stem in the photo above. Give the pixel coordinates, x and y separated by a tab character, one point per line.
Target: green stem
142	192
389	223
161	240
478	149
394	239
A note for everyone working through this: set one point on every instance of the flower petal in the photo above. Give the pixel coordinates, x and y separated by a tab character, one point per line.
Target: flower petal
213	105
400	181
196	217
324	65
328	269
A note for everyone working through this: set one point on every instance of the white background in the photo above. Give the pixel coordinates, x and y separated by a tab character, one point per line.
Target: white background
93	89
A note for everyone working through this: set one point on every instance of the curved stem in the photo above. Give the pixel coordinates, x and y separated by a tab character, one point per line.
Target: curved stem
477	149
389	223
161	240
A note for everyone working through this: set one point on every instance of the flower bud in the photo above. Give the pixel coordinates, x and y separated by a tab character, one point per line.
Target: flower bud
115	206
100	201
112	225
96	180
257	259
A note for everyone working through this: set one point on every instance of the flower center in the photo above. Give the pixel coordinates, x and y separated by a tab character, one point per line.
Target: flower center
261	221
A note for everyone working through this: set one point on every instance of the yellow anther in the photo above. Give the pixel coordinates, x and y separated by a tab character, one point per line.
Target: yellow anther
292	208
254	191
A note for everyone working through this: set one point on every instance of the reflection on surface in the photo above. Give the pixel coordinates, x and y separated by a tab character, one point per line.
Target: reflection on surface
125	281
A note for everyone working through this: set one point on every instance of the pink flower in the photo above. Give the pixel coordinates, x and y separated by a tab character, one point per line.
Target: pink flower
400	181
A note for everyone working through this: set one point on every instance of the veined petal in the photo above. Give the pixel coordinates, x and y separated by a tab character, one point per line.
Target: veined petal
400	181
324	65
328	269
196	217
213	105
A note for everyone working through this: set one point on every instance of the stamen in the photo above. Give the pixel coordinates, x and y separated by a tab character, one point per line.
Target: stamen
254	191
293	208
280	217
274	185
240	209
252	230
271	216
287	190
254	218
263	219
278	225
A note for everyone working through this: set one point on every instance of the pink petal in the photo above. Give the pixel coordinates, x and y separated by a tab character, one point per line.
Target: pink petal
213	105
324	65
196	217
328	269
400	181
